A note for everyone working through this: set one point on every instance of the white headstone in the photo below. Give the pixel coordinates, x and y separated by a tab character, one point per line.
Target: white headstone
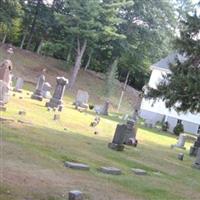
19	84
4	93
82	97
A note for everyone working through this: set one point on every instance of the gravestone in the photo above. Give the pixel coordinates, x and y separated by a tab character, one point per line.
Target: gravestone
56	101
110	170
4	93
105	108
5	71
82	98
131	130
119	138
197	161
195	147
139	171
181	141
37	95
19	85
75	195
46	90
180	156
79	166
124	134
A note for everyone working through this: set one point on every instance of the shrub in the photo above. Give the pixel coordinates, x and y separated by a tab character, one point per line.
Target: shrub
178	129
91	107
165	126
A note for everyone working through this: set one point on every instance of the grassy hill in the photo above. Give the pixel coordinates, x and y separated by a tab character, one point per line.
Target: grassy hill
29	65
34	148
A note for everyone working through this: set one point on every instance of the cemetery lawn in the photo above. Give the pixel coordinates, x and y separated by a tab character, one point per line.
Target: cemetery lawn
34	152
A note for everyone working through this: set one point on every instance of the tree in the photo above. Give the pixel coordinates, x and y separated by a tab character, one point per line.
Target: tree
180	88
9	10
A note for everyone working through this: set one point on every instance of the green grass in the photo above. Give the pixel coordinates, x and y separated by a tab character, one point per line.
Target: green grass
49	146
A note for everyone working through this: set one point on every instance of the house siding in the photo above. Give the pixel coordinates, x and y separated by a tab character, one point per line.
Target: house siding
151	116
189	127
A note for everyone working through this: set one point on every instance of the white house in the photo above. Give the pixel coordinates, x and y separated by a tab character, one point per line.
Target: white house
158	111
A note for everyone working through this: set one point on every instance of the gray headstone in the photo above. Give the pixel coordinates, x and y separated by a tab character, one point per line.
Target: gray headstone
4	93
19	85
139	171
124	134
56	101
197	161
80	166
82	98
75	195
180	156
111	170
181	141
5	70
37	95
105	108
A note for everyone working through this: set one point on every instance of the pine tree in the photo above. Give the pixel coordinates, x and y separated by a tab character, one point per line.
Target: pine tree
181	88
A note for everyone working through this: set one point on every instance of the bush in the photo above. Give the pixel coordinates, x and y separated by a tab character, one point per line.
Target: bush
165	126
91	107
178	129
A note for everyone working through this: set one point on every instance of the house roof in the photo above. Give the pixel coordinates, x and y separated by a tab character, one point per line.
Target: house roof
164	63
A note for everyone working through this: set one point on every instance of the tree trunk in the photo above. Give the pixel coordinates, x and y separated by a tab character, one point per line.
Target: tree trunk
39	47
123	89
4	38
88	62
111	75
77	65
22	42
33	24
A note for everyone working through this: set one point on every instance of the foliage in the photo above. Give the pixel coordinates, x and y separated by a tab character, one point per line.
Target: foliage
137	32
178	129
180	88
165	126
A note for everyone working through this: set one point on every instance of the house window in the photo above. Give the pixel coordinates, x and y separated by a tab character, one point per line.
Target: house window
198	130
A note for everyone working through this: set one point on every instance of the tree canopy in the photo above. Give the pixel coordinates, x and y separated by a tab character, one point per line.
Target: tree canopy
181	88
95	34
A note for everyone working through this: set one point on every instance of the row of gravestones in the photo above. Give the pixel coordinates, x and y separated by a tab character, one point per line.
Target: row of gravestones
43	90
194	150
81	103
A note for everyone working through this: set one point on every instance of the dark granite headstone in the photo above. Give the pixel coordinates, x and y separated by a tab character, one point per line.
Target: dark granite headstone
195	147
56	101
37	95
197	161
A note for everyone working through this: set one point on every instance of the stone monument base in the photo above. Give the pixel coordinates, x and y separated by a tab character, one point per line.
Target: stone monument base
197	166
54	104
193	151
116	147
37	97
175	145
17	90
